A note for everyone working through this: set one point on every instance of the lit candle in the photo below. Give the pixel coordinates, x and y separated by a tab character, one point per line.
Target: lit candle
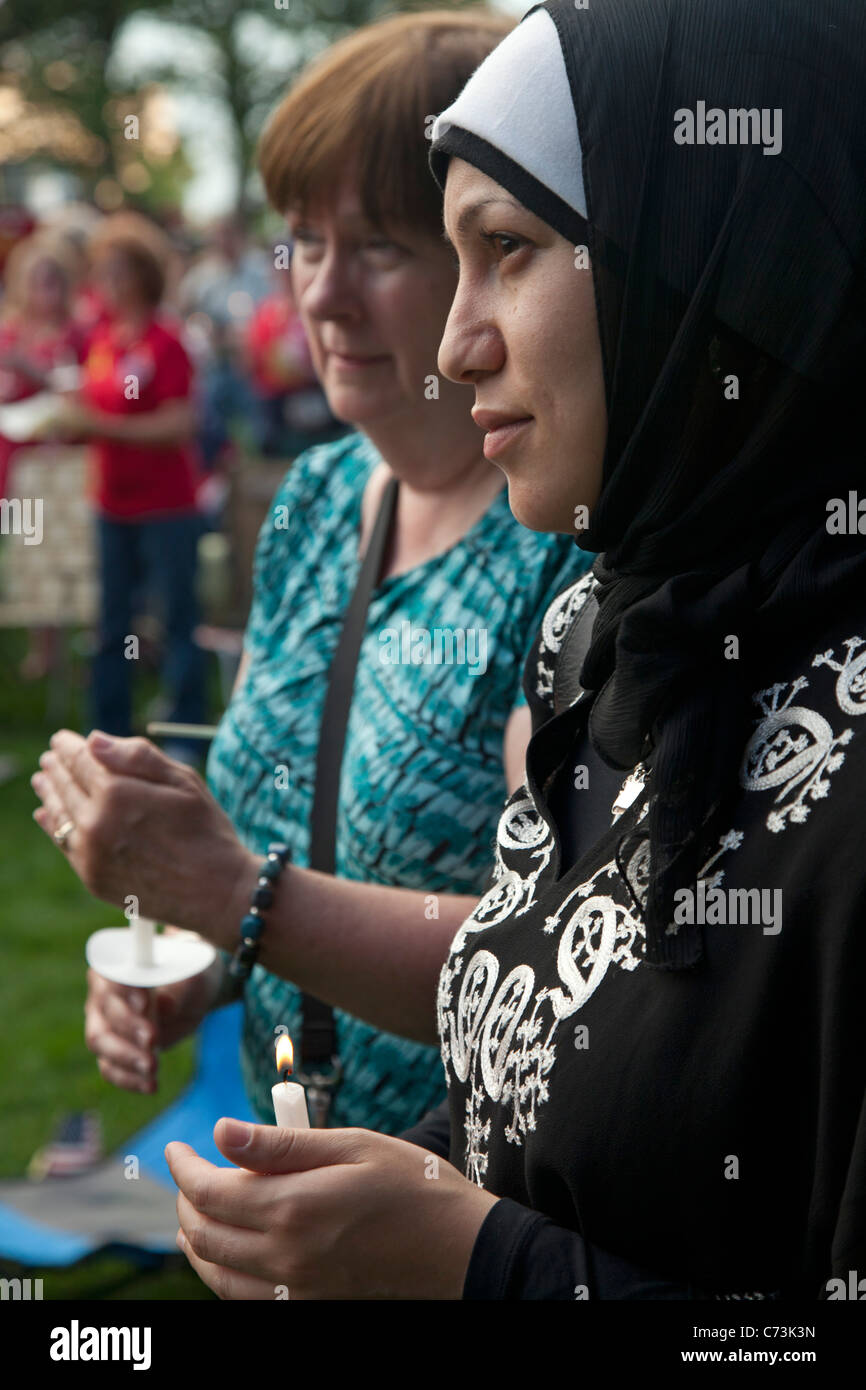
290	1103
142	940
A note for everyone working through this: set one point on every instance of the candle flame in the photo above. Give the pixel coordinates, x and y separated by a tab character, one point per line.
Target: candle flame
285	1053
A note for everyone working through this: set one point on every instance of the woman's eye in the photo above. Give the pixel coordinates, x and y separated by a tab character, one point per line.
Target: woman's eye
303	232
382	248
503	243
304	237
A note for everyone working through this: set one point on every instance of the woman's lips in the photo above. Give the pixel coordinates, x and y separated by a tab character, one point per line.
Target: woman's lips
497	440
353	364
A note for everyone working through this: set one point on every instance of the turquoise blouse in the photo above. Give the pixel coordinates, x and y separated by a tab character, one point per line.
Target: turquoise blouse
422	783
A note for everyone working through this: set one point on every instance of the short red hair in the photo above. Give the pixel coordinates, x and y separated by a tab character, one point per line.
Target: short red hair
367	101
145	245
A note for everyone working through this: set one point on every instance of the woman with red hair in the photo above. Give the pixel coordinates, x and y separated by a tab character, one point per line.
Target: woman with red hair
137	409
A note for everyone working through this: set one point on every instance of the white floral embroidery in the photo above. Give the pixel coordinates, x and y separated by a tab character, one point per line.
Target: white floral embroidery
499	1036
557	621
487	1040
851	685
521	827
794	748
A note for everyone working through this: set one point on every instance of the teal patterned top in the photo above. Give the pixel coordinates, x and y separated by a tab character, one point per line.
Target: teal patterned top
422	783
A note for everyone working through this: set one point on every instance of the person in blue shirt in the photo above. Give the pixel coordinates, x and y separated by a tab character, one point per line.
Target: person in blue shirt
420	734
438	722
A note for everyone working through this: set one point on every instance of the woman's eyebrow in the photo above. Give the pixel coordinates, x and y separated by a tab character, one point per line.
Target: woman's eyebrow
468	215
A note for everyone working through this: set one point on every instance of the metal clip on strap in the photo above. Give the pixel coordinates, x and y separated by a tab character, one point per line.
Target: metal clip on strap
319	1087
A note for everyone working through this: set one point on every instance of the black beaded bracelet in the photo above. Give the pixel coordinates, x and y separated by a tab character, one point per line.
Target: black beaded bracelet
252	925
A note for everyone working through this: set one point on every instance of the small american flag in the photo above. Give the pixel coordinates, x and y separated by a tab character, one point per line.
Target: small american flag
75	1147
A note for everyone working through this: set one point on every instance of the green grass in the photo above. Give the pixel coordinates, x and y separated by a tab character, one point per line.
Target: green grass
45	918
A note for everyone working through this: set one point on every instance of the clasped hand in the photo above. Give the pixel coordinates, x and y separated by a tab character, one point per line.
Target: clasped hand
144	826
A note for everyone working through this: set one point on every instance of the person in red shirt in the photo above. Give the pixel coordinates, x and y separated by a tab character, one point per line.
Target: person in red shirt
136	406
37	330
37	335
293	409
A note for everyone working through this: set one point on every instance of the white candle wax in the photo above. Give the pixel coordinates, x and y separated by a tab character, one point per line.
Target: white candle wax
142	940
290	1105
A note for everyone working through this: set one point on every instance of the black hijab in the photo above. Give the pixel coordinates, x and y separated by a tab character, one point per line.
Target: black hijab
731	303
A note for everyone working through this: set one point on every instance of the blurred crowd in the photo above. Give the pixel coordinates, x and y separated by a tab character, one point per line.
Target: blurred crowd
174	358
252	379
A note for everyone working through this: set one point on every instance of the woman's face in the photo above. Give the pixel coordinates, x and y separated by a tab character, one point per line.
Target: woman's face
373	310
46	290
116	277
522	329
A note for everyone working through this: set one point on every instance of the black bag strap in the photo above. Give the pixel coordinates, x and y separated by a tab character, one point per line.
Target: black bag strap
318	1035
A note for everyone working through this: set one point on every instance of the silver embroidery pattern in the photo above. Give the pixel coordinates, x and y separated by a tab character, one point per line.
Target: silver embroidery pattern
498	1035
557	621
489	1039
794	748
851	685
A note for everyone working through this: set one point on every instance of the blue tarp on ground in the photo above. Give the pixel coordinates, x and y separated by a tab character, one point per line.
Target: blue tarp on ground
60	1220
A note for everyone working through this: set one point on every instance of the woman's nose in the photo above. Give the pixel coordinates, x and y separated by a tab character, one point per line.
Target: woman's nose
471	346
327	289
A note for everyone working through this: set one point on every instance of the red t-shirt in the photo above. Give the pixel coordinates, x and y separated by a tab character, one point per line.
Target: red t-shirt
128	378
280	359
89	310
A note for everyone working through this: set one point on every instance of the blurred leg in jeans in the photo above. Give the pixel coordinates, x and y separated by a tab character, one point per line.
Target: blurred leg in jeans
169	549
114	664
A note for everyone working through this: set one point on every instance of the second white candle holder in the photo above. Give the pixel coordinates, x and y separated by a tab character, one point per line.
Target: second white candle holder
137	955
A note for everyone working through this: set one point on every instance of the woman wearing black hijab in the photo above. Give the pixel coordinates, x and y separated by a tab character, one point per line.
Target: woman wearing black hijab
652	1023
709	1118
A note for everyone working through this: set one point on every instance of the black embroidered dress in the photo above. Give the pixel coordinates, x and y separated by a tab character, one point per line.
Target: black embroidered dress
704	1129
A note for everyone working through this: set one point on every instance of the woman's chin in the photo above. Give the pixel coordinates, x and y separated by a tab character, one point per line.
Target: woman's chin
346	406
356	407
537	511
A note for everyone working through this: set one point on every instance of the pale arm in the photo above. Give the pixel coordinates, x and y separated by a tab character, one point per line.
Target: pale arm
147	826
170	424
517	734
243	667
374	951
369	950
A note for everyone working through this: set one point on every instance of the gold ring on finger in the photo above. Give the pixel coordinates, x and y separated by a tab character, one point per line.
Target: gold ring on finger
62	833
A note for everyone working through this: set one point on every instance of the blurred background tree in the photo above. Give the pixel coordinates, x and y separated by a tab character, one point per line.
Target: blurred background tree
243	78
56	105
65	98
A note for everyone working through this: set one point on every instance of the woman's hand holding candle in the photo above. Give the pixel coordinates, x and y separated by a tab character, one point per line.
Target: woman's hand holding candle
127	1028
147	827
325	1213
